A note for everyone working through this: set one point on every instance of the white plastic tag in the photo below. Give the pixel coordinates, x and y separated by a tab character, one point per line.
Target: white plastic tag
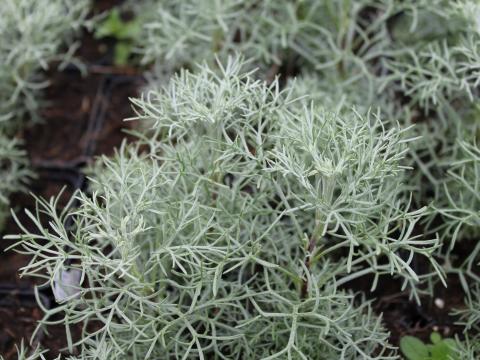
67	284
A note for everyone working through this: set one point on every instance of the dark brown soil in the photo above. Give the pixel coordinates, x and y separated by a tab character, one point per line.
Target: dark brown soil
17	325
403	316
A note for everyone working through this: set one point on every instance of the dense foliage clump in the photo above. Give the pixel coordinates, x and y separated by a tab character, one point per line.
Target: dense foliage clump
253	200
232	235
417	61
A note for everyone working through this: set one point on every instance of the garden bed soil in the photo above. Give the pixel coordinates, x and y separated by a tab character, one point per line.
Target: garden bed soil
18	324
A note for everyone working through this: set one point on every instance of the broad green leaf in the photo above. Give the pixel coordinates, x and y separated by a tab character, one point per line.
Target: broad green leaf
111	26
435	337
122	53
413	348
130	30
440	351
115	27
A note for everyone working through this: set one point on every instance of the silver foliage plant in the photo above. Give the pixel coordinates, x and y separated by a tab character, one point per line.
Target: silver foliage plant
413	59
426	49
230	229
32	35
24	353
14	171
418	61
313	34
438	70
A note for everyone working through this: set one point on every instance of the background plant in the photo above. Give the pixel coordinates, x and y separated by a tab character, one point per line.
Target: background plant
125	32
417	61
14	172
439	349
33	35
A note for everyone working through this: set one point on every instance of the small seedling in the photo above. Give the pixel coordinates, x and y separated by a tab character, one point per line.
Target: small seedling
440	349
123	31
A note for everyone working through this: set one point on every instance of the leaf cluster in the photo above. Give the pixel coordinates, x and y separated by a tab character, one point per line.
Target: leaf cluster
440	349
233	226
33	34
233	233
417	61
125	32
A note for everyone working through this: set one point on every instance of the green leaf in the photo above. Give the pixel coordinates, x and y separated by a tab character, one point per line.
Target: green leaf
111	26
440	351
435	337
114	26
413	348
452	344
129	31
122	53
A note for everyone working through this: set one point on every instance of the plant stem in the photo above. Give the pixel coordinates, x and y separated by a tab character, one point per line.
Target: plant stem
314	239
